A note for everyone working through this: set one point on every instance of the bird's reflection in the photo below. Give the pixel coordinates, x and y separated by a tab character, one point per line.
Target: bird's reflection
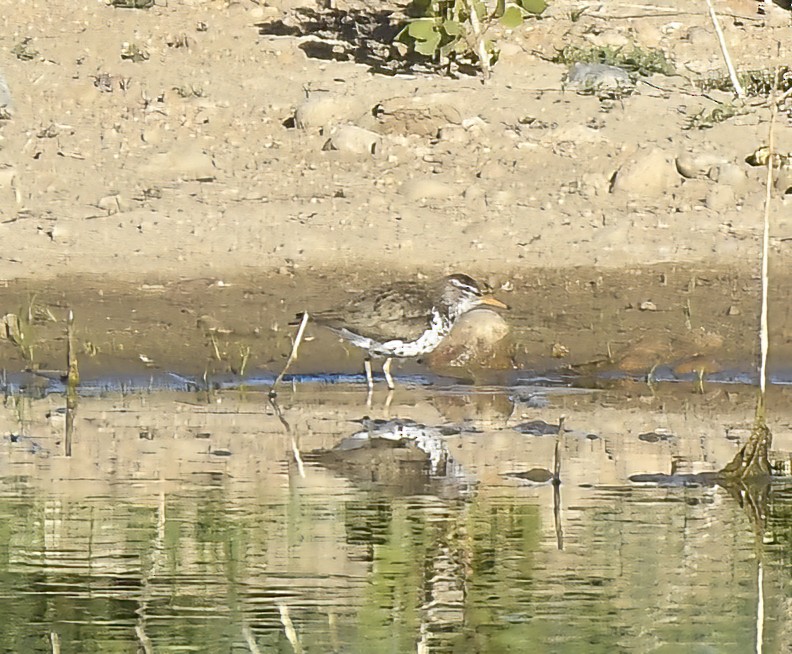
400	455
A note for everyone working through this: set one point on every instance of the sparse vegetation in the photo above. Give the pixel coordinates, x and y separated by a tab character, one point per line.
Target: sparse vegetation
710	117
636	61
755	83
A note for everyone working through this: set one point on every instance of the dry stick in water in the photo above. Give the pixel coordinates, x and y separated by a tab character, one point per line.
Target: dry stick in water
763	328
72	381
292	355
751	462
738	89
288	628
250	640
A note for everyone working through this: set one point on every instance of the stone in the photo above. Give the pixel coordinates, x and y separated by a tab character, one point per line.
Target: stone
187	162
6	103
720	198
354	140
649	173
419	115
480	340
783	182
697	165
322	110
597	76
729	174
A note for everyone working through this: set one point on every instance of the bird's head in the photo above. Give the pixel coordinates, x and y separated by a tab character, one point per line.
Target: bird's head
461	293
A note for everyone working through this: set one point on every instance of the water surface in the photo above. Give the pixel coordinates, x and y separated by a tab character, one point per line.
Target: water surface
203	522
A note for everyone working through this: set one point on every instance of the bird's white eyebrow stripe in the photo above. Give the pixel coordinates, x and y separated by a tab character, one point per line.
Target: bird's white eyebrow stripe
461	284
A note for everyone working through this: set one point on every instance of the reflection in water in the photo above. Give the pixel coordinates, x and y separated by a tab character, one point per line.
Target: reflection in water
179	525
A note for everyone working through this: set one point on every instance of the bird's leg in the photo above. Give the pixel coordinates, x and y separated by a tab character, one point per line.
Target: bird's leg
369	376
386	371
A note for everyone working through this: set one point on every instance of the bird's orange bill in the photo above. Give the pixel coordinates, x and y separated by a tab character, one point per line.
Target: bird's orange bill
493	302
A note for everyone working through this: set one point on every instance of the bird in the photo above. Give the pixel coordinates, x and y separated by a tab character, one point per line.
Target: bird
405	319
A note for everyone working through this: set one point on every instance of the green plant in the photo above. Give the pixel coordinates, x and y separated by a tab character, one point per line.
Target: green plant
756	83
705	119
449	30
636	61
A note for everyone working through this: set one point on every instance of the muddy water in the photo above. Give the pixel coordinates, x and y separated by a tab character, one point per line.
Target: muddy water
208	522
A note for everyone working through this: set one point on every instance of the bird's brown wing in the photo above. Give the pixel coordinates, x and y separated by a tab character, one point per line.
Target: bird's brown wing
399	311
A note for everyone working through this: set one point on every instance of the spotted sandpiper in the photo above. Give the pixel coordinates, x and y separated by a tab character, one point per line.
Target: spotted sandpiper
405	320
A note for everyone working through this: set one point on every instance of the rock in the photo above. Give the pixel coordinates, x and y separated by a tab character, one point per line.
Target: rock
6	104
8	176
783	182
354	140
693	166
648	174
500	198
427	189
700	37
419	115
479	341
113	204
322	110
453	134
593	185
597	76
188	162
720	198
492	169
729	174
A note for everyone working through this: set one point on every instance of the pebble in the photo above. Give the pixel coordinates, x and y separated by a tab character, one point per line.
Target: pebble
649	173
354	140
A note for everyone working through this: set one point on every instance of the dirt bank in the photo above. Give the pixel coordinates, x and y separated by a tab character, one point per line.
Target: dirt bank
188	163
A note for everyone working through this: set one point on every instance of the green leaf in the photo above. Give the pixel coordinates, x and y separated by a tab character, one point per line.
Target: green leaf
512	17
428	46
535	7
452	27
500	9
422	29
480	9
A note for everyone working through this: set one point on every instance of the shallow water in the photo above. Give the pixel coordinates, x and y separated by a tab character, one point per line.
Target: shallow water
204	522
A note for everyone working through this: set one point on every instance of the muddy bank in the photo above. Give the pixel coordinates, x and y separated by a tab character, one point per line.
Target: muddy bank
690	318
